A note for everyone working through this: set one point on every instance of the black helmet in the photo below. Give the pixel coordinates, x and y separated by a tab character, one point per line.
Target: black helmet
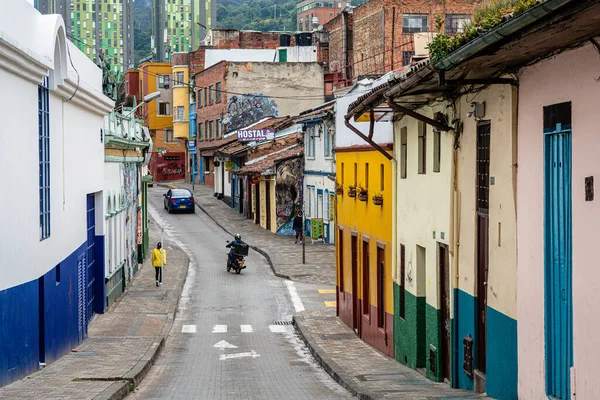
238	236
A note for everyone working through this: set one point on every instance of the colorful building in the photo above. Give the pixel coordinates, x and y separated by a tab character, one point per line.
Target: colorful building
318	125
98	28
180	25
183	95
365	204
52	142
168	158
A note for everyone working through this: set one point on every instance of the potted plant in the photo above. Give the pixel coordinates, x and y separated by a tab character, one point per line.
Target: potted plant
351	191
363	194
378	199
339	189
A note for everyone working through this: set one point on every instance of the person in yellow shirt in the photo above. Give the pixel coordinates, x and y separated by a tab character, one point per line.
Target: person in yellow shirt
158	261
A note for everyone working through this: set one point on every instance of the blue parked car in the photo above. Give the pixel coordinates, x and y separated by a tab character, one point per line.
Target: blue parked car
179	200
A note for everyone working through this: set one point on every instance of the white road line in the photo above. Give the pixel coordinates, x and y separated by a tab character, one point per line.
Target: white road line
278	328
188	329
251	353
220	329
295	297
246	328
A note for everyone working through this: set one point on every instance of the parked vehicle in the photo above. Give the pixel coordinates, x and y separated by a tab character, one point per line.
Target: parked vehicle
237	251
179	200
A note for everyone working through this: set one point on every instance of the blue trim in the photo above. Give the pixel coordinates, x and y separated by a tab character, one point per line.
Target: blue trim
20	317
100	287
502	353
317	173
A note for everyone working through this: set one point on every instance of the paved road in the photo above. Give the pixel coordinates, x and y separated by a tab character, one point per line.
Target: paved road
268	361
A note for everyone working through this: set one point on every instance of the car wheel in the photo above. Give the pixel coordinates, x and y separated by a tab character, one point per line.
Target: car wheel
165	205
169	210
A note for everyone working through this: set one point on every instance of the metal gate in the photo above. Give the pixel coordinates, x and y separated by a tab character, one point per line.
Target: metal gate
558	257
81	297
91	258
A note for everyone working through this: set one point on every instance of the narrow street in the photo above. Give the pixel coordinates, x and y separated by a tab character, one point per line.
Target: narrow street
232	337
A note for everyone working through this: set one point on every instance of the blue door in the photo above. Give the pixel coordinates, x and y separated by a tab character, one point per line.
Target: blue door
81	297
91	258
557	243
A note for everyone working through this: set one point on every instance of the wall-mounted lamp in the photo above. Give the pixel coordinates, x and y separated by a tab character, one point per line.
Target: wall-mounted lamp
478	110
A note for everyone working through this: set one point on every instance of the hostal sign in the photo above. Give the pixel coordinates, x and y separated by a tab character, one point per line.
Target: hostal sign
254	135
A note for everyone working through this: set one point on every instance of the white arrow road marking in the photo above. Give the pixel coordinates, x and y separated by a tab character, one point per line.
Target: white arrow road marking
251	353
224	345
278	328
246	328
220	329
188	329
295	297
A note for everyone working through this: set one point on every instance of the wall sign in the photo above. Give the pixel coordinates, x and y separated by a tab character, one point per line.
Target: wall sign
251	135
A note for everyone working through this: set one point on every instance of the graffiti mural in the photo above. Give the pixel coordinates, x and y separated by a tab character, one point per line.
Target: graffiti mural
170	167
245	110
287	193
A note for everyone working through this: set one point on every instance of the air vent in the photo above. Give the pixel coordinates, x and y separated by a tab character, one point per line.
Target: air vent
468	355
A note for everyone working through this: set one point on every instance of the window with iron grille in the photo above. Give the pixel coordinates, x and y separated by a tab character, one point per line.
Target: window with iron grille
422	169
412	23
456	23
403	151
483	167
180	113
200	133
218	92
44	157
406	56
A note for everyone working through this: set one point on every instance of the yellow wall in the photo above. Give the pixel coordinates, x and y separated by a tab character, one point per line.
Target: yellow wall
423	207
149	85
365	218
502	271
181	97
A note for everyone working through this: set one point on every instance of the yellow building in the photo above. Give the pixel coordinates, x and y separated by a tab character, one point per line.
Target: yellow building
167	162
181	96
364	243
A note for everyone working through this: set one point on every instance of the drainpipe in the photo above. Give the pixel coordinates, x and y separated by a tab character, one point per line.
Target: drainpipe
455	244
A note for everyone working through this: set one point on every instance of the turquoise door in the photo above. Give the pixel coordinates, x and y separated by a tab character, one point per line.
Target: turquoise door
557	248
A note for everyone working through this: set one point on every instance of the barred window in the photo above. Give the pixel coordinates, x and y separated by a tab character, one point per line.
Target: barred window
44	157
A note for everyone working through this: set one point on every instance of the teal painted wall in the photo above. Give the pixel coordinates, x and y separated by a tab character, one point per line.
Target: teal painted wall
465	326
409	333
502	365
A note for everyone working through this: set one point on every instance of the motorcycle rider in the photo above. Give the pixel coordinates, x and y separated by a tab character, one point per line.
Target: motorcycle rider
232	244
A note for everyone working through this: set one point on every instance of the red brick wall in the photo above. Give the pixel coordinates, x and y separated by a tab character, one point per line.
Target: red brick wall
234	39
340	47
377	42
180	59
324	14
215	111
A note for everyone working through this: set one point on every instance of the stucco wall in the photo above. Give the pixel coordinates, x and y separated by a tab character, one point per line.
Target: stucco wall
294	87
570	76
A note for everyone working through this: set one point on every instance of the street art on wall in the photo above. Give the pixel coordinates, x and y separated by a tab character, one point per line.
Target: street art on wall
170	167
243	111
287	193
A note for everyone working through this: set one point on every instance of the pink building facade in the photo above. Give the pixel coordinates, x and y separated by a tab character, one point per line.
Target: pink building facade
559	147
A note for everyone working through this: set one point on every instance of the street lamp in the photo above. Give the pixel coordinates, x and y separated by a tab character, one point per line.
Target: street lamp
147	99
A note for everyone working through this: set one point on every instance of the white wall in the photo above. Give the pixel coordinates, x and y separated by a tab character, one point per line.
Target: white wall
344	136
76	152
214	56
299	53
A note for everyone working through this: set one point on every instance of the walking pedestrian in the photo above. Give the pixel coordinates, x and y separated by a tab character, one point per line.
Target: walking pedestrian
297	225
159	259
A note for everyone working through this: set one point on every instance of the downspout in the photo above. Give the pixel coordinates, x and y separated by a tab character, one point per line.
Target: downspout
455	243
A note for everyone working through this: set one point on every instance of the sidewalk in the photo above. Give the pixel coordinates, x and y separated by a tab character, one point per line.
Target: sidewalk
283	255
122	344
354	364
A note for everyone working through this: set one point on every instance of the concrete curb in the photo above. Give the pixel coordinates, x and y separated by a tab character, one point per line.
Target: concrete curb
330	366
140	370
117	391
257	249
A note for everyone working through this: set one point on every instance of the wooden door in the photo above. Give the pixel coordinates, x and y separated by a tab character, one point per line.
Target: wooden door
444	270
268	201
366	308
483	195
257	204
355	308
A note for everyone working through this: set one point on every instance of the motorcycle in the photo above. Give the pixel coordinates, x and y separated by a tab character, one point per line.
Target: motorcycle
235	258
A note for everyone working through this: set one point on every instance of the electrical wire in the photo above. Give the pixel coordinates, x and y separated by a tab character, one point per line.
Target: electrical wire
77	72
